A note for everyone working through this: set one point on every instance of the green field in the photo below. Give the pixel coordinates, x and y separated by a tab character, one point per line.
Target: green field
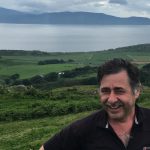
27	65
27	71
30	116
29	135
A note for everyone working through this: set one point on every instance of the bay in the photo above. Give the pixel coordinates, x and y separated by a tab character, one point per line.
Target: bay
71	38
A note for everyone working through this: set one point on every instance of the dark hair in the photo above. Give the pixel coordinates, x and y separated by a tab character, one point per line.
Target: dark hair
116	65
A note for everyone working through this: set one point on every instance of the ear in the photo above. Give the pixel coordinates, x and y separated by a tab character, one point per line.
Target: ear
137	92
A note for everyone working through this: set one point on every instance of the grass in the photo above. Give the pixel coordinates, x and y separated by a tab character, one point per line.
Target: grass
27	66
27	71
20	106
29	135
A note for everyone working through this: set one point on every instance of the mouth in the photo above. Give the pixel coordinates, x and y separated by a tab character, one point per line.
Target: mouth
114	106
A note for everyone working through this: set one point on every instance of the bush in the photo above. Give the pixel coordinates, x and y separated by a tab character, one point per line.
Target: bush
37	79
15	76
31	92
53	76
3	90
39	109
79	71
51	61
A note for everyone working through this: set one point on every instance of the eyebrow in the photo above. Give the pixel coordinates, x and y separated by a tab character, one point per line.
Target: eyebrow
119	88
115	88
104	88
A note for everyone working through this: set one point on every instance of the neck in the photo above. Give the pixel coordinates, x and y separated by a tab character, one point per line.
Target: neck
122	127
124	120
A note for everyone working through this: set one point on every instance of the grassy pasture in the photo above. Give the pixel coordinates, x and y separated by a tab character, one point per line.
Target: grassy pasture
27	66
20	106
27	71
29	135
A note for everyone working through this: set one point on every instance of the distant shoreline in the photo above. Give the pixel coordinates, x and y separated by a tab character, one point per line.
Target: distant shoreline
9	51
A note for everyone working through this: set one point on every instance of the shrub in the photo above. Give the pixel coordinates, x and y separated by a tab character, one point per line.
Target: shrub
3	89
51	61
53	76
37	79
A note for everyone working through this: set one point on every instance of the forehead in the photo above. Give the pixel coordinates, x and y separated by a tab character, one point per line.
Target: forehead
119	79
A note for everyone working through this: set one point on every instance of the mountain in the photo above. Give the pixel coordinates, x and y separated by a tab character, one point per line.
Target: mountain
13	16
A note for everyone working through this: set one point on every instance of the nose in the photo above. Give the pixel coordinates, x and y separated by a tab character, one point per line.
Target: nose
112	97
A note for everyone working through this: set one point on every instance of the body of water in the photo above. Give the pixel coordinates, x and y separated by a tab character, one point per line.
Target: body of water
71	38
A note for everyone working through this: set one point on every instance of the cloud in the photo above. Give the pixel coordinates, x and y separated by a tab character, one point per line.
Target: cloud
120	8
121	2
52	5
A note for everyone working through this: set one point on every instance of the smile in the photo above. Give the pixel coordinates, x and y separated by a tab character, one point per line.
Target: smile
114	105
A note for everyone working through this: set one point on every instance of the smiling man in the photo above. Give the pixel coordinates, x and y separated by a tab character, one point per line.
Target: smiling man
120	125
119	90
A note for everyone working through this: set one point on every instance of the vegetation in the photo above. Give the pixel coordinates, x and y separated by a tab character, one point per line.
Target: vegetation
26	64
31	103
30	134
51	61
54	61
39	100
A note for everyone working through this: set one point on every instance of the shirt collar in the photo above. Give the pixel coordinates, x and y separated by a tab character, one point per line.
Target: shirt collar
135	121
103	122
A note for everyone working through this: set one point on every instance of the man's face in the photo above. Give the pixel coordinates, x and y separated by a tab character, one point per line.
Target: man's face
117	96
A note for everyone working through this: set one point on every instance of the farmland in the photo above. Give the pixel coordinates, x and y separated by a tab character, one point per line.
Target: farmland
27	65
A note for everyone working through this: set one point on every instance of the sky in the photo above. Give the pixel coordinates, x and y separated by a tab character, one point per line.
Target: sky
120	8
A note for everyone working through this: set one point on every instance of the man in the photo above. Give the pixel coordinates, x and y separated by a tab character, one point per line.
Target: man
120	125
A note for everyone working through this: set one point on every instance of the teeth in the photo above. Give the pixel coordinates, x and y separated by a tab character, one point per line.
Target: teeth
115	105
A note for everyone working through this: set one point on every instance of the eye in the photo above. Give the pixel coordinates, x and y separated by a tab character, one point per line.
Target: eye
105	91
119	91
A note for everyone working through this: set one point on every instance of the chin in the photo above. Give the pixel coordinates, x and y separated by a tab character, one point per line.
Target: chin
116	116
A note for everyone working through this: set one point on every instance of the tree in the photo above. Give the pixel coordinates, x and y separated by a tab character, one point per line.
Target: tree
37	79
53	76
15	76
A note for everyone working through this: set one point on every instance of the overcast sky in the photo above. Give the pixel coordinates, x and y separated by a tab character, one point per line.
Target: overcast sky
121	8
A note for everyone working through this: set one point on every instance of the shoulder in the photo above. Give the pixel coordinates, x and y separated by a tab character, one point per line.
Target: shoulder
84	125
145	117
145	112
71	136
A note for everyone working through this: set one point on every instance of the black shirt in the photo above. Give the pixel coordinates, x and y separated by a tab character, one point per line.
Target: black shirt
93	133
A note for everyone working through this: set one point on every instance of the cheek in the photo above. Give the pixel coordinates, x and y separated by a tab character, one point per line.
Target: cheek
103	99
133	101
128	99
